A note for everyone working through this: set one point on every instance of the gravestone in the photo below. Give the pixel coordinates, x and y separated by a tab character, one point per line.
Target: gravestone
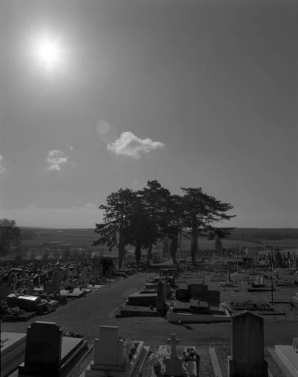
83	278
43	349
56	280
48	287
166	284
110	357
109	341
48	354
160	298
247	353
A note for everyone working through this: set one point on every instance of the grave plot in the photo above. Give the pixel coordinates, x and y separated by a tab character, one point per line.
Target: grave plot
195	303
23	307
175	360
286	357
48	353
147	303
258	306
114	356
12	351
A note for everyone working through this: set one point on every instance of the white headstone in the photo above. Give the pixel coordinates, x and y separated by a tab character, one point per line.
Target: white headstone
108	349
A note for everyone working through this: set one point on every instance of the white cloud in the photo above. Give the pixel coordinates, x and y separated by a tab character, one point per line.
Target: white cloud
56	160
2	168
130	145
91	206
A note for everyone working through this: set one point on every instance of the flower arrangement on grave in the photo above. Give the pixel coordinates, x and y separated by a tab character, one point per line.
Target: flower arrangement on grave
130	348
73	334
15	311
156	363
190	354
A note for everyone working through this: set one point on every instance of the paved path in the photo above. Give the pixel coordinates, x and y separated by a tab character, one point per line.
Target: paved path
86	314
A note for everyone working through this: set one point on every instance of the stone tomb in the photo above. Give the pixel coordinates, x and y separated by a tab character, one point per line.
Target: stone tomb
48	353
12	351
247	353
142	299
110	356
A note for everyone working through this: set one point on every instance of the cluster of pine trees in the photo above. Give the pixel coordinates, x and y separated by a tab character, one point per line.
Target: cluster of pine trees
152	215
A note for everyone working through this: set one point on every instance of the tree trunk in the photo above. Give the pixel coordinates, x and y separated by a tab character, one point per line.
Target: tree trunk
194	241
173	250
121	250
149	254
165	249
218	244
138	253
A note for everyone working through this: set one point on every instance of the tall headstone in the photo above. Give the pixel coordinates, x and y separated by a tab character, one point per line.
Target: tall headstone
166	285
43	349
56	280
108	349
160	298
111	356
247	353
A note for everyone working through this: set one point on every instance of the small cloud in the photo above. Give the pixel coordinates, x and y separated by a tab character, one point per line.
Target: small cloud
31	206
130	145
90	206
56	160
2	168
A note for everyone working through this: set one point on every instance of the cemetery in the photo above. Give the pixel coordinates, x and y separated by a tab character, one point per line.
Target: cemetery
44	351
169	301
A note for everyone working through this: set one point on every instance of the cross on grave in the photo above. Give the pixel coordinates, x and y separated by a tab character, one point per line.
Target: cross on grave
173	342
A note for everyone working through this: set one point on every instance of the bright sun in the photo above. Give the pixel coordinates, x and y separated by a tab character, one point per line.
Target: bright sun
48	52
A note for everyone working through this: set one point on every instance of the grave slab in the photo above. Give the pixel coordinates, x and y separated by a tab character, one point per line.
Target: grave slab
289	358
12	351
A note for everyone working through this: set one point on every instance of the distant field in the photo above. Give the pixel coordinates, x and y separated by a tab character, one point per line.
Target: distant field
84	238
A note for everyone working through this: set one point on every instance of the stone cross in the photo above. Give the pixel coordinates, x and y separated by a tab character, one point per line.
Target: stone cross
173	343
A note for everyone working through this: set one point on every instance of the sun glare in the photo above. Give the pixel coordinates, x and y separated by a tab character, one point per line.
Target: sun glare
48	52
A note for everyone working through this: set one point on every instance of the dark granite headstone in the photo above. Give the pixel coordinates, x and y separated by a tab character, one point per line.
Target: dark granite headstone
43	347
160	299
247	354
48	354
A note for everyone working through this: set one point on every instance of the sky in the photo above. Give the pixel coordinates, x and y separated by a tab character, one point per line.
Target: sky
102	95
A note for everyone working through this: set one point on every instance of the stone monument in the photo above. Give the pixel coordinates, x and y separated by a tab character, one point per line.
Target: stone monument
173	364
160	298
48	354
110	357
247	353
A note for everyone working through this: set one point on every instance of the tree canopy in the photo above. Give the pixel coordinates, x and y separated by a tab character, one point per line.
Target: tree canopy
146	217
9	236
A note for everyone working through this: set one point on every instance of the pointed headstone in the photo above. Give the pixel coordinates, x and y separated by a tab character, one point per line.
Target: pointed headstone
247	352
